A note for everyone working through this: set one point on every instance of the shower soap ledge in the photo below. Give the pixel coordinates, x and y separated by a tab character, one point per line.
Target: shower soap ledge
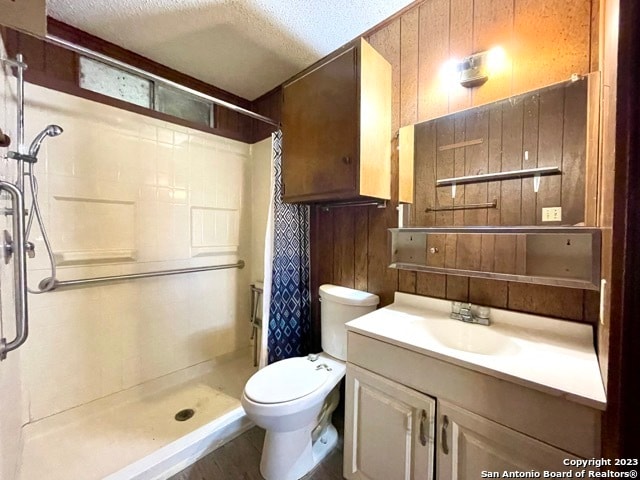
94	256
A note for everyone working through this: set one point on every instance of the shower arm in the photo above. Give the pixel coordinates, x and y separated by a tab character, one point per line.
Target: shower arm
10	247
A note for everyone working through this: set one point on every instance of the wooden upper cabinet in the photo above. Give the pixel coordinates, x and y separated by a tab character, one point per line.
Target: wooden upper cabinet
30	16
336	124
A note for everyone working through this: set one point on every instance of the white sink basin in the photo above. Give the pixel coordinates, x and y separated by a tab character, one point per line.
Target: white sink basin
542	353
469	337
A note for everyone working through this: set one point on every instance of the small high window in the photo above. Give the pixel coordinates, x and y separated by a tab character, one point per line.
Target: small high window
129	87
183	105
113	82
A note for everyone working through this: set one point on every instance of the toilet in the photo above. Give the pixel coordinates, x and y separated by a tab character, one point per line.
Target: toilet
293	399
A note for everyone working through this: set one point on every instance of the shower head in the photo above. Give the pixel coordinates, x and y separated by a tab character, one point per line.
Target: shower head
49	131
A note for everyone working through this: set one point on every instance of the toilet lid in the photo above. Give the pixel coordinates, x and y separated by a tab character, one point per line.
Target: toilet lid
285	380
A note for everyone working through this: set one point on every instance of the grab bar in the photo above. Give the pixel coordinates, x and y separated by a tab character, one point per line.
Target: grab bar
60	284
17	247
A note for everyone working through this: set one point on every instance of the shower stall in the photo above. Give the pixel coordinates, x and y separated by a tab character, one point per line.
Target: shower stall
128	357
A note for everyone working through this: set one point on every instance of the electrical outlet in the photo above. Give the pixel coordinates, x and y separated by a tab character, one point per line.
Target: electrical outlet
552	214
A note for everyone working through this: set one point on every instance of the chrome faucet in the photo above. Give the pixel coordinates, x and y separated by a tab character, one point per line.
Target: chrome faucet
323	365
465	312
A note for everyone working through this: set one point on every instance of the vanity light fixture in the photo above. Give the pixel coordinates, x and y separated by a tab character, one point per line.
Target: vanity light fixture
474	70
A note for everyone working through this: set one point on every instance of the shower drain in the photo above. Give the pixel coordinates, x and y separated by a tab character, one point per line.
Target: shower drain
184	415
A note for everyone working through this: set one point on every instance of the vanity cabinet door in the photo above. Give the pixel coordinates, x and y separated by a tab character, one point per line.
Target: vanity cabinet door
388	429
468	445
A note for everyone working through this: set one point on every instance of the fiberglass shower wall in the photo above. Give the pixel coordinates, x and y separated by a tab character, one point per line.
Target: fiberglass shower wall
123	193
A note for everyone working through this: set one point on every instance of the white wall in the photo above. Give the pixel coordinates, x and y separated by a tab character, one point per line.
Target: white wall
122	193
260	192
10	385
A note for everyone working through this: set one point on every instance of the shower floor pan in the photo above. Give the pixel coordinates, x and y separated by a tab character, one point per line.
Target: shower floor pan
134	434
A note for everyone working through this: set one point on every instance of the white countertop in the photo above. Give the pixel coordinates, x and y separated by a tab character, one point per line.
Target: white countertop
552	356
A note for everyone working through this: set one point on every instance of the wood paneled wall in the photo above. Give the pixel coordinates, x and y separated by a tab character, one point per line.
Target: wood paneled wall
270	105
545	41
57	68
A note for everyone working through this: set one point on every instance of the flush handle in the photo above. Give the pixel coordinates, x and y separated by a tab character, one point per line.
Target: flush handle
443	437
423	436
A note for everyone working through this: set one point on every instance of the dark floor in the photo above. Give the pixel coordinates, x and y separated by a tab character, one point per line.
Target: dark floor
240	460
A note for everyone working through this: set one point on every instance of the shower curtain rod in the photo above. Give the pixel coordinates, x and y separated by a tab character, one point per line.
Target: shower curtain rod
81	282
151	76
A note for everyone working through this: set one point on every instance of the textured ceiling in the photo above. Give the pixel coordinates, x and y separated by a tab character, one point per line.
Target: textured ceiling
244	46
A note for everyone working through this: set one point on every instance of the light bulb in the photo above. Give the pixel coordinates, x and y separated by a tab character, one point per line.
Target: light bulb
496	60
449	73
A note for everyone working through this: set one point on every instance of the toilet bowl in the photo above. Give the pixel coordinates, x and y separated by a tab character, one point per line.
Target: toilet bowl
286	399
293	399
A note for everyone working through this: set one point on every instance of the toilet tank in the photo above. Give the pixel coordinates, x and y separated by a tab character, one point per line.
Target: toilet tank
338	306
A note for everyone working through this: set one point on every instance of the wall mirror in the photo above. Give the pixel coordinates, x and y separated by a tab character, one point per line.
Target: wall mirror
506	163
525	161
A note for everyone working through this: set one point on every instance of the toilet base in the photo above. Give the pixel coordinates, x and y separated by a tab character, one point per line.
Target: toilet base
291	455
287	455
323	446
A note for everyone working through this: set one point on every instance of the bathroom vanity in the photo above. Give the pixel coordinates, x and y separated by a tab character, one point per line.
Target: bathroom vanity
427	395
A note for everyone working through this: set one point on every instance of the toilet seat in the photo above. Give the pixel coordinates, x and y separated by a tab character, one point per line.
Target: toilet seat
286	380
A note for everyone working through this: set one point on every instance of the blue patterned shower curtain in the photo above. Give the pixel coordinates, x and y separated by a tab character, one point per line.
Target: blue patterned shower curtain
289	309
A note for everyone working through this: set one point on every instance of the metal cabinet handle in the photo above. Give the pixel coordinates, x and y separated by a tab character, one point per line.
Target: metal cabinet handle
346	160
443	436
423	420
